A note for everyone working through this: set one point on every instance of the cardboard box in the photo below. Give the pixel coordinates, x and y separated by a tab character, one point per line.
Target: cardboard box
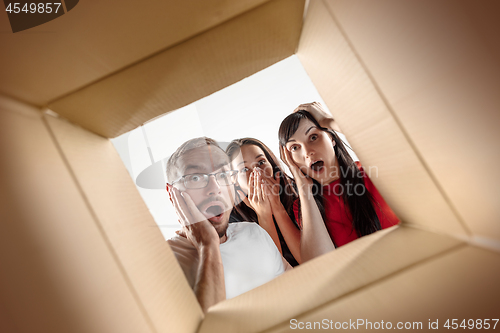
414	85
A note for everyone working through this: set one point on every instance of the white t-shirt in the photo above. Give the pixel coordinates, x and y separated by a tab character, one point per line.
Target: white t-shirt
249	257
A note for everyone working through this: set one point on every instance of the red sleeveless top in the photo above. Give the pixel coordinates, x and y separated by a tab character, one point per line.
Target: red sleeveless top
338	217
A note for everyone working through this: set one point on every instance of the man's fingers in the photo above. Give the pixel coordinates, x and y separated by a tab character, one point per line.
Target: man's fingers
169	189
180	207
181	232
196	215
183	204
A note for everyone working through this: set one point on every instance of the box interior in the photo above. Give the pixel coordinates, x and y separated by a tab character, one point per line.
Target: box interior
413	85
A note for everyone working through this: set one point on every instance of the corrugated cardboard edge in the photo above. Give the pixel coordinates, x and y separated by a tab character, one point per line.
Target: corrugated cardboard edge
324	280
58	272
134	239
374	133
187	72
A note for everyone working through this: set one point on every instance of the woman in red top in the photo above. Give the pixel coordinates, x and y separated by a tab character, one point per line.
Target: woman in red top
337	201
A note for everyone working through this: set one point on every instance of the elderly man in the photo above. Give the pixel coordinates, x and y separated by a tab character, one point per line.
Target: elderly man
220	260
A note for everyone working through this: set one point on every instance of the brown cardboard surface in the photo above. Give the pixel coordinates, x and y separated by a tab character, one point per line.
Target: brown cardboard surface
319	282
414	85
460	284
484	18
188	71
437	65
98	38
129	228
372	130
57	273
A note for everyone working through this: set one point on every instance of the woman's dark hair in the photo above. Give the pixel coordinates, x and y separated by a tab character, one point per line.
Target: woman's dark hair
288	194
364	217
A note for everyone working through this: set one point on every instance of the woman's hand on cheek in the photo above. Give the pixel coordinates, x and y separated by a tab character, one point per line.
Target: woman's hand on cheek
298	175
301	179
286	158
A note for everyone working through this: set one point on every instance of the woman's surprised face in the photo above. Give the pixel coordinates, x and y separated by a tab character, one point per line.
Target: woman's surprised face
250	157
312	151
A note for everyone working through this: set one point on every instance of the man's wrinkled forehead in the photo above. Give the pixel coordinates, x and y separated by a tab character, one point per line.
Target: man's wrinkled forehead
202	159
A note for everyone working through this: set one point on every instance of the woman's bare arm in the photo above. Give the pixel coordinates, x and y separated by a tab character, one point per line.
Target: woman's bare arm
314	237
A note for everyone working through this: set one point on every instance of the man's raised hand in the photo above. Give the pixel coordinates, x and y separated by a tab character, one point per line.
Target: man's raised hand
194	224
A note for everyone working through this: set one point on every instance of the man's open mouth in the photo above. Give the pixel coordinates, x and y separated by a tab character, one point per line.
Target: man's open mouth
317	166
214	211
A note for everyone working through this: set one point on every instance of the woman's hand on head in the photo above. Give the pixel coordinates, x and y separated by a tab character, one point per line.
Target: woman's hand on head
316	110
324	118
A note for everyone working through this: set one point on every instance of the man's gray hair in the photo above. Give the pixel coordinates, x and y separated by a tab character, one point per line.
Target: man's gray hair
184	148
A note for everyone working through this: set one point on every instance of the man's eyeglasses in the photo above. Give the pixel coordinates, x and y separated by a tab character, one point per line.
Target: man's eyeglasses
200	180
